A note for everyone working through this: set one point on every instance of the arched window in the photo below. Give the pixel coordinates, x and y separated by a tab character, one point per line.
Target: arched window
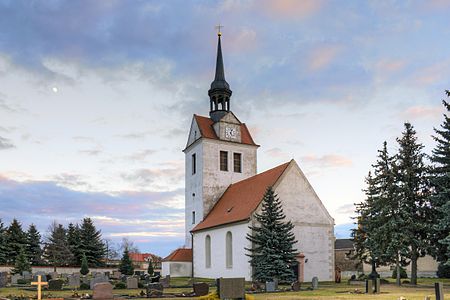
208	251
229	250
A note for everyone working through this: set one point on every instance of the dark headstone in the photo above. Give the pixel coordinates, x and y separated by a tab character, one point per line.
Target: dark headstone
201	289
96	280
295	286
315	283
154	290
55	284
377	282
165	281
15	277
26	275
103	290
53	275
74	280
271	286
369	286
231	288
439	290
3	279
132	283
42	274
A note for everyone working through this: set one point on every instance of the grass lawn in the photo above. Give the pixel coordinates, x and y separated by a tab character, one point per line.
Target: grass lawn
326	290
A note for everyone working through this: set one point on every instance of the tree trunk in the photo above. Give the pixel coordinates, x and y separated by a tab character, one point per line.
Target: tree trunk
397	266
414	258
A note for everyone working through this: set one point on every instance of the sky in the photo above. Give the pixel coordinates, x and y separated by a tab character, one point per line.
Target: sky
96	100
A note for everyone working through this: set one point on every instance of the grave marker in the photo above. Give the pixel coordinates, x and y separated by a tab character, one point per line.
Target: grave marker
39	284
103	290
315	283
231	288
3	279
132	283
201	289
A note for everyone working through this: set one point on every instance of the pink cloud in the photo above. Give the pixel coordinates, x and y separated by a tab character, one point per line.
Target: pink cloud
277	152
322	57
244	40
419	111
291	8
327	161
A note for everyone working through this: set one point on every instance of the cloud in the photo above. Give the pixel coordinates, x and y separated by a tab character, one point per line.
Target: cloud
327	161
91	152
277	153
322	57
291	8
140	155
146	177
420	111
343	231
124	214
5	143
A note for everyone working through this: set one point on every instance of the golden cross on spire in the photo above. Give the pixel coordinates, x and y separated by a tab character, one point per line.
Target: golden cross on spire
39	284
219	27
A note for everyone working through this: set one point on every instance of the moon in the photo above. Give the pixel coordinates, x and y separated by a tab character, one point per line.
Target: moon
54	89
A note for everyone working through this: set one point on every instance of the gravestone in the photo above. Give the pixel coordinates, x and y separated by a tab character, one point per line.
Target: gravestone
201	289
15	277
377	285
3	279
369	286
26	275
154	290
103	290
165	281
55	284
96	280
439	290
315	283
231	288
132	283
42	274
116	275
271	286
74	280
295	286
54	275
85	280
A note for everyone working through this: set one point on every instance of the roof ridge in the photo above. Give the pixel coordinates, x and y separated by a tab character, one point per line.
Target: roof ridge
262	173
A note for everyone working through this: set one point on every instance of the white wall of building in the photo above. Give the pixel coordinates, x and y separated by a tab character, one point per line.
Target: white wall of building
241	266
314	227
176	269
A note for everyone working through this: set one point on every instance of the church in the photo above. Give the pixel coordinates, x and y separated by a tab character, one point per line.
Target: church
223	191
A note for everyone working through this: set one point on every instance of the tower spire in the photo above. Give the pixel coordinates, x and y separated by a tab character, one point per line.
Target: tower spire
219	93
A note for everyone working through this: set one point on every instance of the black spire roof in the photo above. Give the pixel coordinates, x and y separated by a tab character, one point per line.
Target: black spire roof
219	80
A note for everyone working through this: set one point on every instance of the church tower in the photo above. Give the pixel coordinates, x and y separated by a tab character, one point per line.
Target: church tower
219	151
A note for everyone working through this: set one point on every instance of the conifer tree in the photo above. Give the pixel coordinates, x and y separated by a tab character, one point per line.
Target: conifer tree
3	247
84	265
91	244
440	199
150	269
16	239
74	240
413	190
272	254
126	264
57	250
34	251
21	264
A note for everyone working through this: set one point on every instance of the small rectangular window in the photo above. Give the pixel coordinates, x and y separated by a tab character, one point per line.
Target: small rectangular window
193	217
223	161
237	159
194	164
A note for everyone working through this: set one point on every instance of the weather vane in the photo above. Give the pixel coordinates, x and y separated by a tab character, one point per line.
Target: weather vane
219	27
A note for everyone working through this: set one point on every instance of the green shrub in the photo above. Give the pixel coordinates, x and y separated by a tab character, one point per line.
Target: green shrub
120	285
140	285
85	286
402	273
443	271
23	281
362	277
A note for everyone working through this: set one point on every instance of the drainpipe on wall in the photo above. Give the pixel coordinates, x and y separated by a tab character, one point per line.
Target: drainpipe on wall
192	267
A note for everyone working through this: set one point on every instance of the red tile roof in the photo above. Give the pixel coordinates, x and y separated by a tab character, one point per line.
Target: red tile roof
143	257
180	254
241	199
205	125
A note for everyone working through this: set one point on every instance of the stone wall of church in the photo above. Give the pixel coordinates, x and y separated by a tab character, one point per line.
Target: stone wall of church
215	181
314	227
218	268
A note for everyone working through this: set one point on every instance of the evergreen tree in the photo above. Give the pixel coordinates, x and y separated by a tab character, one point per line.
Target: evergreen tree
272	254
74	240
16	239
91	244
440	199
34	251
126	264
21	264
3	247
57	249
84	265
413	189
150	269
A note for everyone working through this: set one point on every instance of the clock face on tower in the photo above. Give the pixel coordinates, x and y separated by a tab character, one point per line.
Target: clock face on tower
230	132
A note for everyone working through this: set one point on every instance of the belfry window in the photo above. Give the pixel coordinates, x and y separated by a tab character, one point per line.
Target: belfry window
223	161
193	217
237	162
194	164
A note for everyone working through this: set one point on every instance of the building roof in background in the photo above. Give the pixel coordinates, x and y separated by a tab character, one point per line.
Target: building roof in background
341	244
144	257
180	254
